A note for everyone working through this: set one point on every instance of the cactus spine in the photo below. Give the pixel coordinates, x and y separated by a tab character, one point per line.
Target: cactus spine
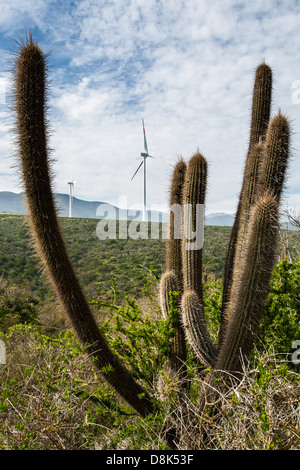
30	95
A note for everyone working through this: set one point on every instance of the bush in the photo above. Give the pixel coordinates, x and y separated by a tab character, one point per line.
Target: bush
16	306
137	333
51	398
280	326
260	412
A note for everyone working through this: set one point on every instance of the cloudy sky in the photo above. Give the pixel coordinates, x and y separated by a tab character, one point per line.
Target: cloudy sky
185	66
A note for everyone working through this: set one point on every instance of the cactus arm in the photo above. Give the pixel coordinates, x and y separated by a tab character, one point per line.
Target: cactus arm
196	330
250	285
168	283
261	104
30	94
260	116
193	196
177	349
265	172
171	280
173	246
248	197
275	161
193	318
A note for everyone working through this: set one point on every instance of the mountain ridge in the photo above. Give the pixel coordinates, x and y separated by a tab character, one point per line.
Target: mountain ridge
15	203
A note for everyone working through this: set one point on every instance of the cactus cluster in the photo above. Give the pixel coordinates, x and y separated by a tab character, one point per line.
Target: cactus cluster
252	247
251	252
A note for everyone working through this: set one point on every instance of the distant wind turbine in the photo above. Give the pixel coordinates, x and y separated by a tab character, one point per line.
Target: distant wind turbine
71	195
145	155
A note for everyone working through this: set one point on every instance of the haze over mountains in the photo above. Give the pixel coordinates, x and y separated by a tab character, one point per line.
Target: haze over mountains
14	203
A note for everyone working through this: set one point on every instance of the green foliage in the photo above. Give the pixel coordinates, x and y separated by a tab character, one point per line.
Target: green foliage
212	298
51	398
281	322
95	260
280	325
16	306
140	339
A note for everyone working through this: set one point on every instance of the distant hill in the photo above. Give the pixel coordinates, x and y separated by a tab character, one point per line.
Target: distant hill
220	219
13	202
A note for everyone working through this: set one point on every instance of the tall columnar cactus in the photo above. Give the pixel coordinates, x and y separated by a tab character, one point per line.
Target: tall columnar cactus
172	280
260	116
193	201
251	252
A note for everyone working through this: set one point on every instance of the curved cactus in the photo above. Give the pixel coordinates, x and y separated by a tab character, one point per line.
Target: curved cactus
30	99
196	329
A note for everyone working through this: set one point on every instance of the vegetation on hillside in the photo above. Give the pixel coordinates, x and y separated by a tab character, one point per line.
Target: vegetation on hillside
51	398
97	261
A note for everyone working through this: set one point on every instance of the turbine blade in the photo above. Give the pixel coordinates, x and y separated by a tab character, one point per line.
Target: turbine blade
162	161
145	140
137	169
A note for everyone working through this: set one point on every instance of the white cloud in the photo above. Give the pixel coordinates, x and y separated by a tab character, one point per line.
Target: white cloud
186	67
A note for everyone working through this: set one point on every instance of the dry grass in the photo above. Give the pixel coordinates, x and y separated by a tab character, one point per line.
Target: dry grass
259	412
42	404
50	398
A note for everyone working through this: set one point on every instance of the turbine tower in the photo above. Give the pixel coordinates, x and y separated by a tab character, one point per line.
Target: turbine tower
145	155
71	194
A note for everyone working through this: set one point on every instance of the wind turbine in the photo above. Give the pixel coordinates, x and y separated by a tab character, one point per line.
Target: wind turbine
145	155
71	194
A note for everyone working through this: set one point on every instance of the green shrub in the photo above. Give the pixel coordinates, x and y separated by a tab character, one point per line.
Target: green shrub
16	306
281	322
138	334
